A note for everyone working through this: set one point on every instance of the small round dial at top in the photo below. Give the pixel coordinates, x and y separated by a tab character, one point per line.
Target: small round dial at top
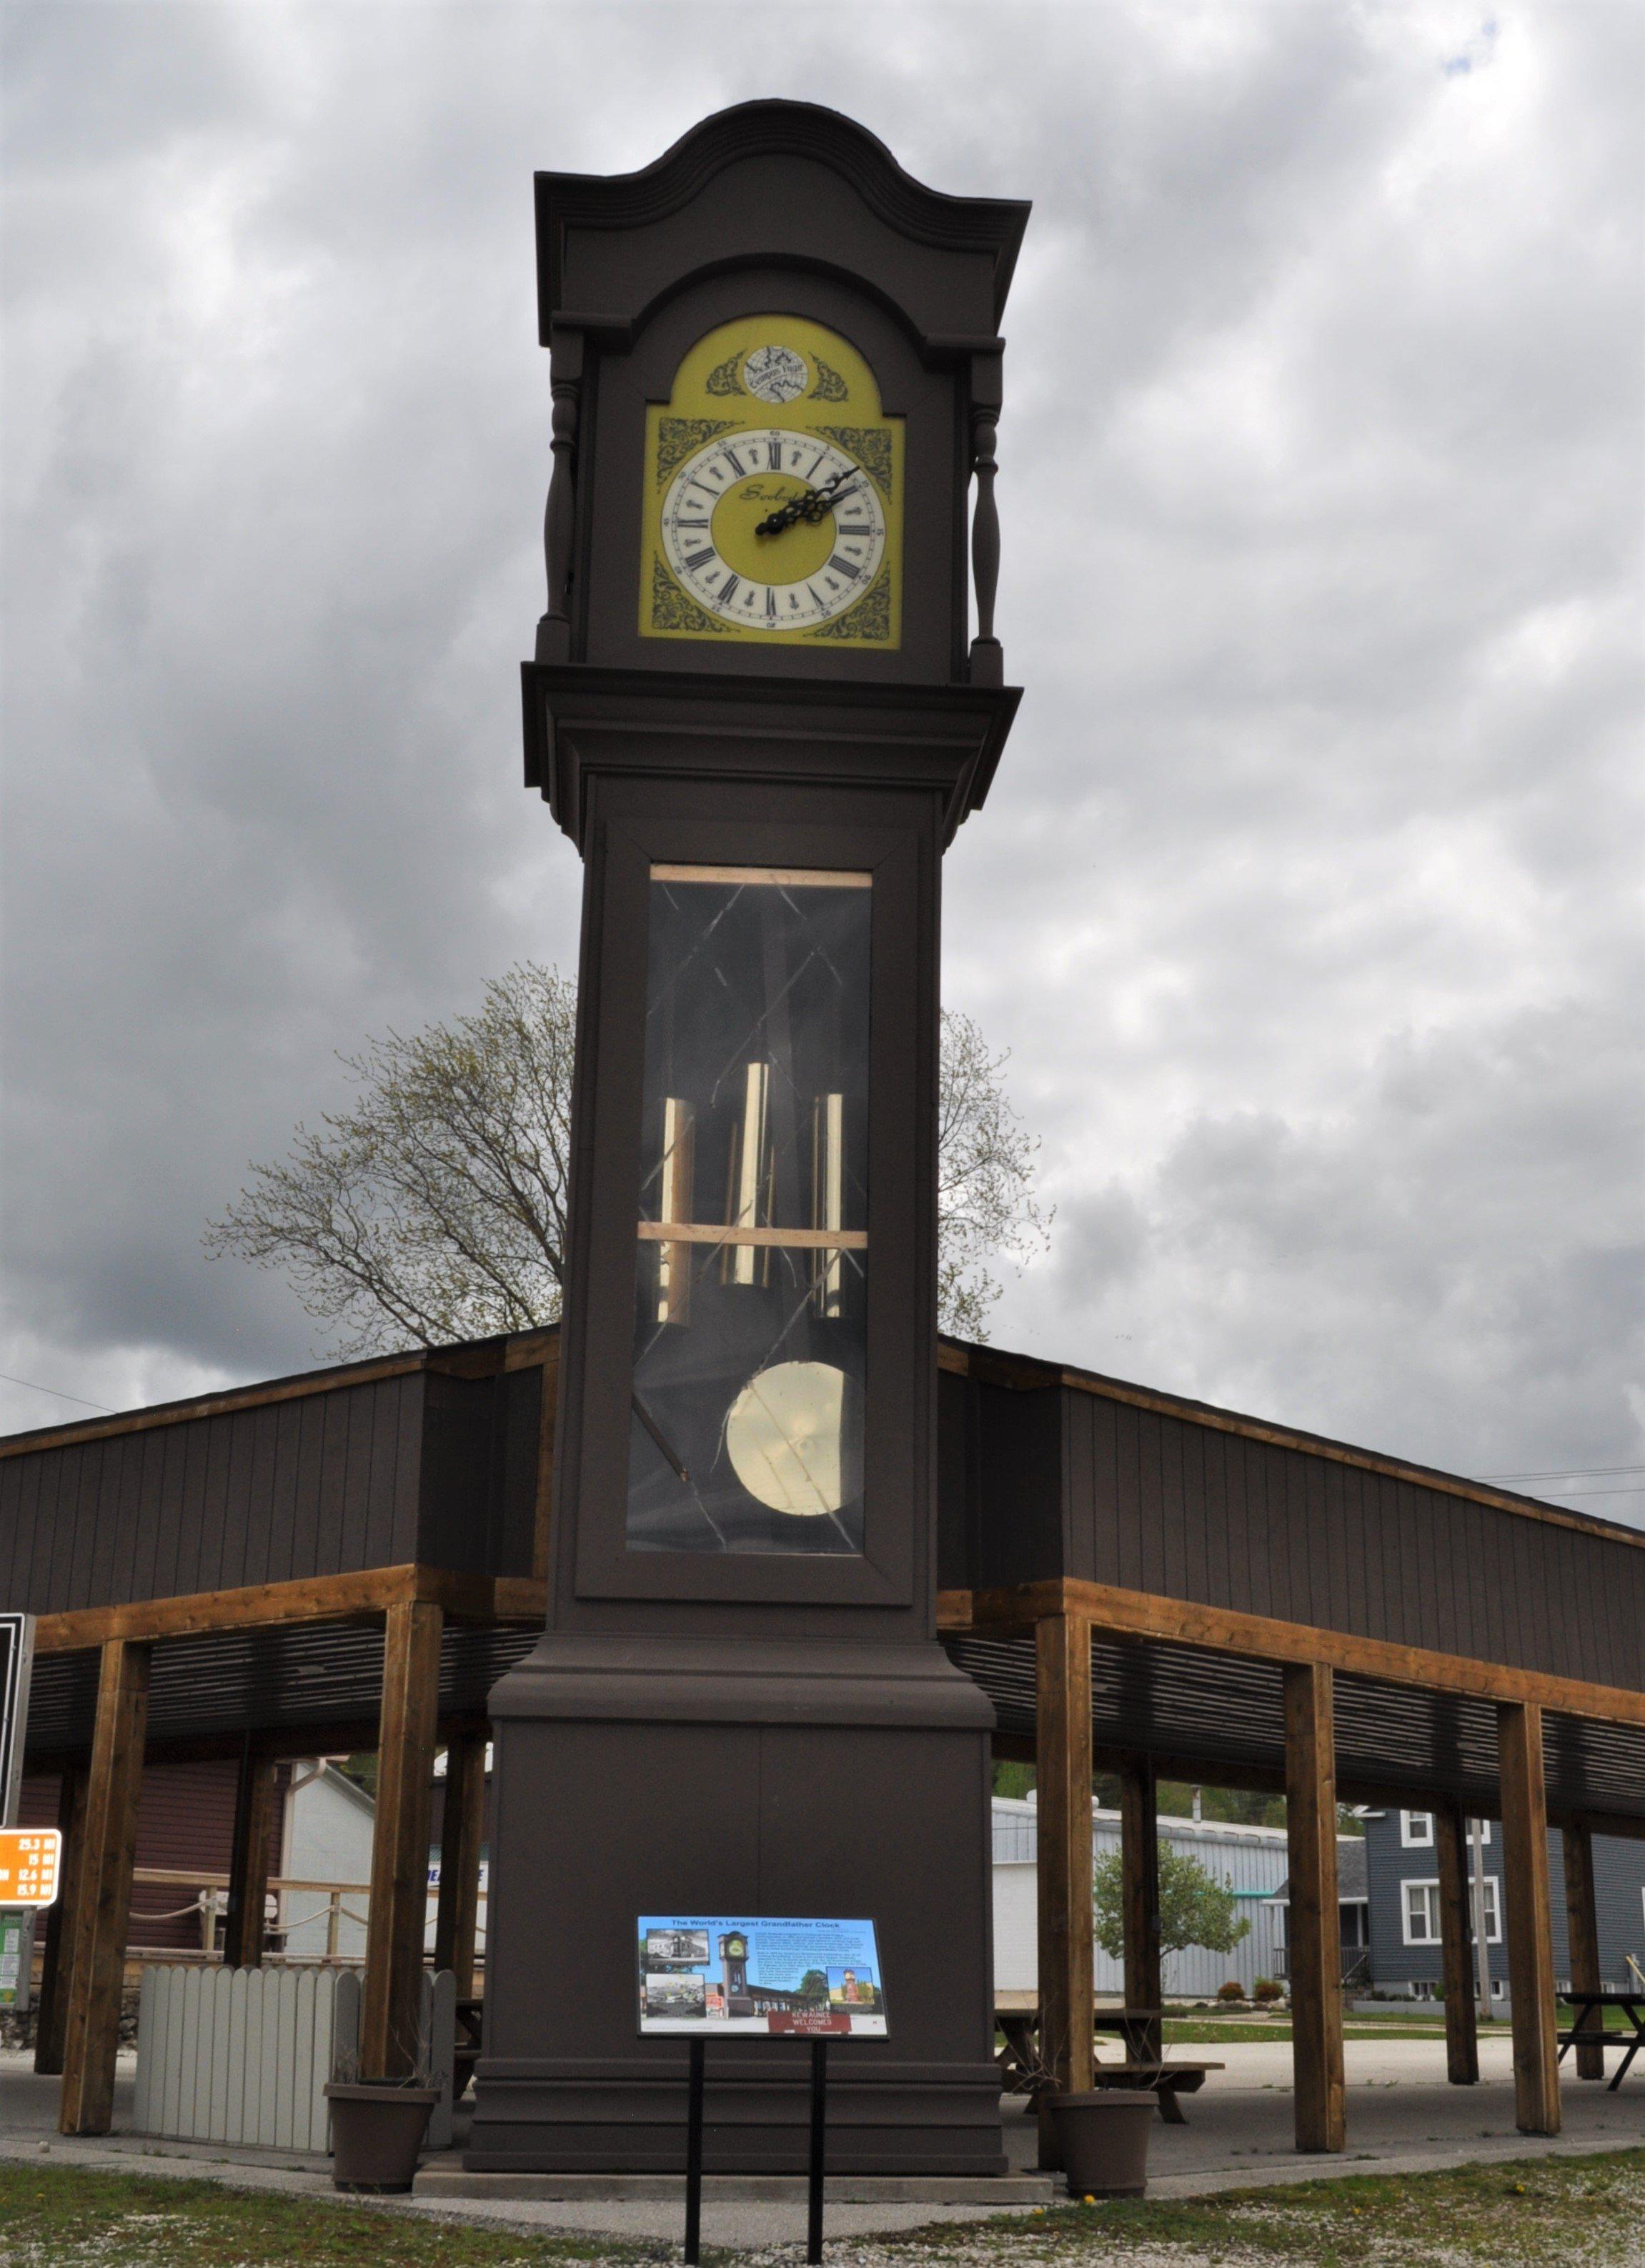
773	529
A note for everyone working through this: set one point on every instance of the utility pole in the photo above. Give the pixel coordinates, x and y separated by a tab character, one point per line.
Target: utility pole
1482	1949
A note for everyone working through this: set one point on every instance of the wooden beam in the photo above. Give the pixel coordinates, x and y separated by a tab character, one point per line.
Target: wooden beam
365	1592
1530	1918
51	2017
1063	1793
103	1890
462	1833
1462	2031
1140	1863
1221	1629
255	1795
1314	1931
1581	1916
399	1904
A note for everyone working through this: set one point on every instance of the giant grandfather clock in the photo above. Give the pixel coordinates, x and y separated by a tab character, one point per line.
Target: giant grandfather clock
754	710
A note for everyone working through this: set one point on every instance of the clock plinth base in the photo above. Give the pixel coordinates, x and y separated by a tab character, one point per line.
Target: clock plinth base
645	1775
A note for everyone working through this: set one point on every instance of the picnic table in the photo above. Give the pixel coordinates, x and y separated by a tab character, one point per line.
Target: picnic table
1582	2034
1017	2014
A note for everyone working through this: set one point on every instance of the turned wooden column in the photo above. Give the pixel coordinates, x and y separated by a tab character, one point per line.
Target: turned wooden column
1529	1916
102	1916
1315	1922
1462	2030
249	1863
462	1833
1062	1645
1140	1864
1581	1917
389	2007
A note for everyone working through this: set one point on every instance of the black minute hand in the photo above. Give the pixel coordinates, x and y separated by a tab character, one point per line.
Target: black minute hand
812	505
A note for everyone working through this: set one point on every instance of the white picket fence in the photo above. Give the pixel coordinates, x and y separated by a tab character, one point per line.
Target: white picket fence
242	2055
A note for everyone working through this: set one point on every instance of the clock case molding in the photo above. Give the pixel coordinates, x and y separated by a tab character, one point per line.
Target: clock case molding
633	268
724	1732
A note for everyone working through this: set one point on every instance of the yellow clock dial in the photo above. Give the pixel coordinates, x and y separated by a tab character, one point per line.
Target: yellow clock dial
773	493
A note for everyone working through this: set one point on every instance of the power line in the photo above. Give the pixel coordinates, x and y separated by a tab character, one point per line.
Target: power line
1577	1472
35	1387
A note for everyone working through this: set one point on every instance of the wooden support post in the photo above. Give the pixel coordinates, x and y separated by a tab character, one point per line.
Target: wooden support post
1140	1862
1529	1917
1581	1915
1062	1646
102	1915
249	1863
1316	1921
51	2018
1462	2031
399	1902
462	1833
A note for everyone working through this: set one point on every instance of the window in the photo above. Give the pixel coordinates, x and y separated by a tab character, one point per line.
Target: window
750	1327
1416	1829
1421	1911
1422	1915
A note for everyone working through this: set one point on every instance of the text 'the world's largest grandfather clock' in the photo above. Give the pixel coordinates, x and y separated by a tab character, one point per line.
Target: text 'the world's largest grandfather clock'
757	710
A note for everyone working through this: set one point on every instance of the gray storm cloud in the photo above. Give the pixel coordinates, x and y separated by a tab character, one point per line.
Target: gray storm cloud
1307	898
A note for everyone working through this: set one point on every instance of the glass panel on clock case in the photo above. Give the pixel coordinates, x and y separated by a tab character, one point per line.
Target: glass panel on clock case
745	1430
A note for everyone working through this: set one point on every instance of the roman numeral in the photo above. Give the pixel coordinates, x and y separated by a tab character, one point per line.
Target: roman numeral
844	567
728	589
776	452
699	559
816	461
771	605
737	465
690	523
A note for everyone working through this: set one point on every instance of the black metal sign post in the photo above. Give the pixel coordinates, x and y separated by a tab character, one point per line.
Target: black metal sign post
694	2159
819	2128
815	2164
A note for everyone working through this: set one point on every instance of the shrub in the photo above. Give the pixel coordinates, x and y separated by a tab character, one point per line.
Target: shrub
1264	1990
1232	1991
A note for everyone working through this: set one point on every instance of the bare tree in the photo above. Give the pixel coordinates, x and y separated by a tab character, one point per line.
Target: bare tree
985	1165
434	1208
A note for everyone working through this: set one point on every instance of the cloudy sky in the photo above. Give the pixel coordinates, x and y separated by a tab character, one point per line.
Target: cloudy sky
1306	901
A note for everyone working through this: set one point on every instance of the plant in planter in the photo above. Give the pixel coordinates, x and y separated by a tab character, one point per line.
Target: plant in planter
377	2126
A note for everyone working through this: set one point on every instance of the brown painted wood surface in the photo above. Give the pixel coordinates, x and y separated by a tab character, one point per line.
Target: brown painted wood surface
400	1841
51	2018
462	1836
998	1367
1219	1629
1455	1896
1140	1863
254	1801
1529	1905
1314	1934
1063	1790
1582	1923
103	1891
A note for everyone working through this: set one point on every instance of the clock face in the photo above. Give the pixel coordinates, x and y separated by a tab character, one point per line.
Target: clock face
773	530
773	503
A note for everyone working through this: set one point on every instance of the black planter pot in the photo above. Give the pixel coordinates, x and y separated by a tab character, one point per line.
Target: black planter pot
1104	2140
377	2133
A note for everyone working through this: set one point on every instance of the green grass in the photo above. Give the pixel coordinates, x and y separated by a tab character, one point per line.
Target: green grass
1573	2213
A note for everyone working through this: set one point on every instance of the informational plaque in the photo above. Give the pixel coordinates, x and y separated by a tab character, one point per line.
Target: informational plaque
711	1974
30	1858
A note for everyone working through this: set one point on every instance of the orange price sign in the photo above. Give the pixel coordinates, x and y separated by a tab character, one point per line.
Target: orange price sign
30	1858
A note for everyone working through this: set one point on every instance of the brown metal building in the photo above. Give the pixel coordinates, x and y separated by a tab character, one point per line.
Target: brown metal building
351	1558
